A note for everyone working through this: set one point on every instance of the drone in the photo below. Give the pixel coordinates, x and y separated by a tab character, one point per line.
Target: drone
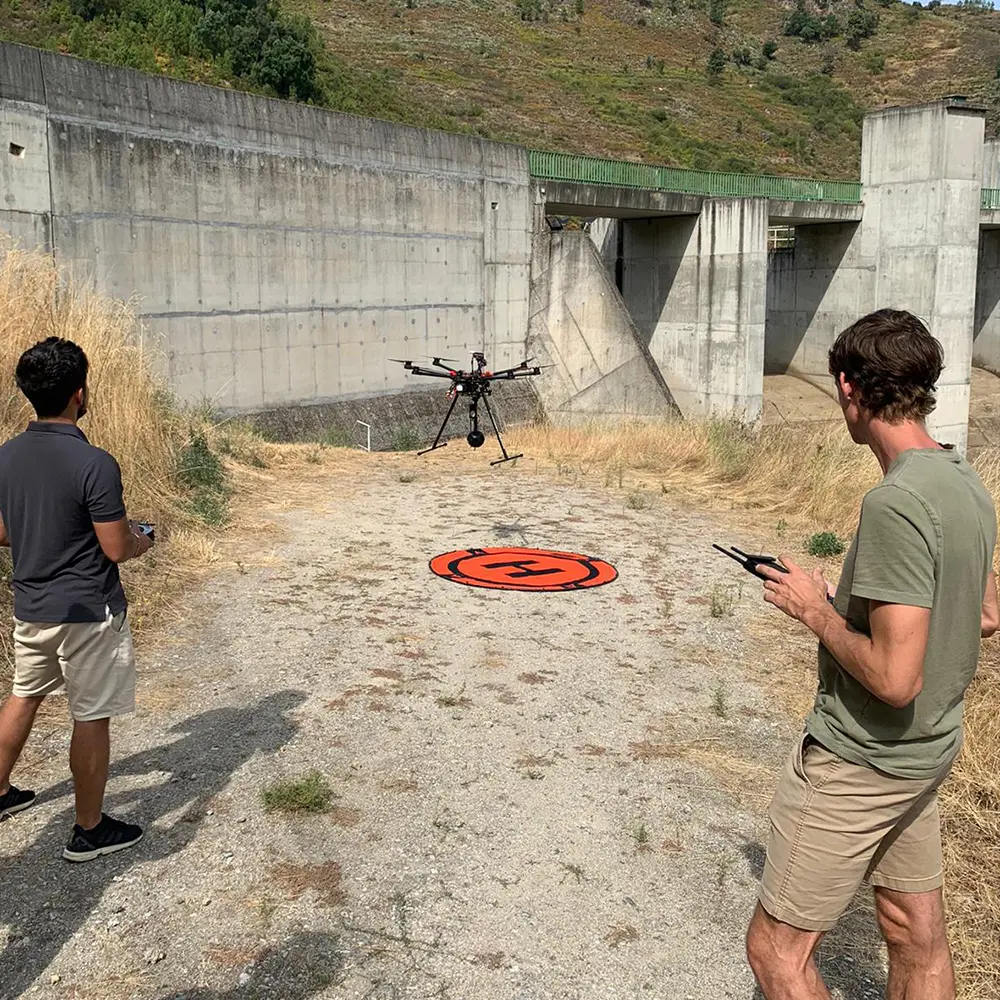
476	385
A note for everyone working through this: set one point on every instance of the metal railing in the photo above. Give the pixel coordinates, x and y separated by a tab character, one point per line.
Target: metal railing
991	198
623	173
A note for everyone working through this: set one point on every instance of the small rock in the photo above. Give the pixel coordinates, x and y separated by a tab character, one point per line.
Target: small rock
55	979
207	902
242	819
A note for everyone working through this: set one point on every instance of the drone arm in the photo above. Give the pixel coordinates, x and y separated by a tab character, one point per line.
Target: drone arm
418	370
511	373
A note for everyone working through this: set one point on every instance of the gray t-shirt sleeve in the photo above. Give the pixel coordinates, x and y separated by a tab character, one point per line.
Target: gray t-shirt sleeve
102	488
896	548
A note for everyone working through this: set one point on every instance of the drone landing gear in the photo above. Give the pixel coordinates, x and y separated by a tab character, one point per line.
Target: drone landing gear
496	430
475	437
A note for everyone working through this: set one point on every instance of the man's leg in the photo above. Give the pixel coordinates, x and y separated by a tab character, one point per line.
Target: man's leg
919	958
89	756
99	665
907	877
36	674
16	719
781	957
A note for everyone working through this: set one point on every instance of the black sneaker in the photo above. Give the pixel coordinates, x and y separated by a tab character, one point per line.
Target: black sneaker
108	836
14	801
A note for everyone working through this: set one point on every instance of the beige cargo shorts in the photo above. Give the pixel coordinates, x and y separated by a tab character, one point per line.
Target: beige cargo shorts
95	661
836	825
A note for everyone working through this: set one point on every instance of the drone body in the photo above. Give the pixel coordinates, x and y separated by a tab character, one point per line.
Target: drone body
476	385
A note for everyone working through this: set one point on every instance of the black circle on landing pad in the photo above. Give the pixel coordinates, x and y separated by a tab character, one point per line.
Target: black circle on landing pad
523	569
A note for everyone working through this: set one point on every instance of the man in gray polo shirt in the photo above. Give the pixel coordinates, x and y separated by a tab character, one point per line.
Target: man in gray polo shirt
62	513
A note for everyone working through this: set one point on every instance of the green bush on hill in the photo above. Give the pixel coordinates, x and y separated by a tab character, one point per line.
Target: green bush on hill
249	40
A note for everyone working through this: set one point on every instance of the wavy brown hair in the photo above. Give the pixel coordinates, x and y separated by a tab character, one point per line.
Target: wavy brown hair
892	360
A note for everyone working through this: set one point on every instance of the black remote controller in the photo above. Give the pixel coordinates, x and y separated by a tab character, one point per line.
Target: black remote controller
750	562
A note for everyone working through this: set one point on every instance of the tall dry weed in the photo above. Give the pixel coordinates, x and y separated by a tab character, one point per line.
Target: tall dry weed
813	477
129	416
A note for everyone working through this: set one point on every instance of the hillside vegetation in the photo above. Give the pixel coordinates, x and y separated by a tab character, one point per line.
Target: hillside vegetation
749	85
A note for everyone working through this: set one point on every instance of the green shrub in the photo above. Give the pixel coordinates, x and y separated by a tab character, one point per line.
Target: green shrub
716	62
405	439
202	475
861	24
311	794
825	543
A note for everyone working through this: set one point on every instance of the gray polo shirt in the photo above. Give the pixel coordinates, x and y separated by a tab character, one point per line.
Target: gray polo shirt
54	485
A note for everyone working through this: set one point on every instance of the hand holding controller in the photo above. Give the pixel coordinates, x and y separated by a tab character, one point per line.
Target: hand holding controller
144	535
750	563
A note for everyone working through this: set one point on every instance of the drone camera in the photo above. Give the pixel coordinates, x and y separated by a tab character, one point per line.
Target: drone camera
476	439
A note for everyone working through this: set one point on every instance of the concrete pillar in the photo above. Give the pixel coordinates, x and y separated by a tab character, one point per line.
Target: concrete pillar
922	171
695	286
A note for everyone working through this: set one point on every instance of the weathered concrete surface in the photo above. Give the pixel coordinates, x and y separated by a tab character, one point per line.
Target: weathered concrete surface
813	292
922	170
25	204
696	289
579	325
283	253
991	163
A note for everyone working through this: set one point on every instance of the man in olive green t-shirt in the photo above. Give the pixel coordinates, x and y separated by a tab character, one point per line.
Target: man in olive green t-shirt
898	647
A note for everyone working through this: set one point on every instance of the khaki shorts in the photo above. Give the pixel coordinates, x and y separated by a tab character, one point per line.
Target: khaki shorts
95	660
835	825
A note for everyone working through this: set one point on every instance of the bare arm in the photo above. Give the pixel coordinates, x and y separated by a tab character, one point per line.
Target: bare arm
991	608
119	542
889	663
4	537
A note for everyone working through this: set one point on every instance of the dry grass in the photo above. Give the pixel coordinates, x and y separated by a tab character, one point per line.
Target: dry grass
776	473
816	482
131	415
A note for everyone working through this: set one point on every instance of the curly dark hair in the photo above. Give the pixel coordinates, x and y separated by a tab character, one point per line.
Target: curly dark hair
49	373
892	360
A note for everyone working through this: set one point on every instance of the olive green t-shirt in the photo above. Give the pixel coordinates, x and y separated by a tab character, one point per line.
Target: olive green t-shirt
925	538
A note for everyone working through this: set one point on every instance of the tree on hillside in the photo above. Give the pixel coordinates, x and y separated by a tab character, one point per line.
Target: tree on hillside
803	24
861	23
716	63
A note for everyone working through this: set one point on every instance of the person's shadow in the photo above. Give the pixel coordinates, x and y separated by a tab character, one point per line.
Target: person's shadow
45	900
299	968
849	957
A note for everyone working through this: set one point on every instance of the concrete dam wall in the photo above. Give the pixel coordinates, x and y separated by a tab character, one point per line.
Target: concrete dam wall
281	253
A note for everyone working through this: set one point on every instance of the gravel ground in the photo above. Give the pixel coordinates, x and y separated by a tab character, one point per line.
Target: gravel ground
537	796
